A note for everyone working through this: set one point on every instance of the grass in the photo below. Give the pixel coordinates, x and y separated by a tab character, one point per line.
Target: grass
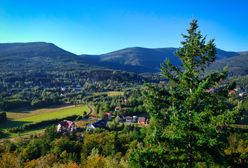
241	126
115	93
26	112
110	93
19	118
55	114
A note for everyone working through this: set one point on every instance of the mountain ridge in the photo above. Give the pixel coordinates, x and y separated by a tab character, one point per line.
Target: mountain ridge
133	59
141	59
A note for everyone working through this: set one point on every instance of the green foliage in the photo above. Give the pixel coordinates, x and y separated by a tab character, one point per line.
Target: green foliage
237	65
104	142
33	150
189	126
14	103
95	160
9	160
66	149
45	161
37	103
237	151
191	121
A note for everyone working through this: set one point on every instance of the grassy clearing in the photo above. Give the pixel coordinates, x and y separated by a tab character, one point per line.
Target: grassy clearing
35	116
241	126
55	114
110	93
27	112
115	93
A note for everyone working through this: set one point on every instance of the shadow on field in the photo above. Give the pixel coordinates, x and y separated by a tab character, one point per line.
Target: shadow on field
11	124
30	109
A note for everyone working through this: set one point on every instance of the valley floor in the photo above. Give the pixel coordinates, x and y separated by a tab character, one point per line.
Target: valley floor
29	116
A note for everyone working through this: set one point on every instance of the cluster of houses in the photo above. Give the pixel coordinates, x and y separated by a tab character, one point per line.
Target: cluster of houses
121	119
238	91
133	119
70	126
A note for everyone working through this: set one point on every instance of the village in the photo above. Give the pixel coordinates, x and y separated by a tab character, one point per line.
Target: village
122	115
93	122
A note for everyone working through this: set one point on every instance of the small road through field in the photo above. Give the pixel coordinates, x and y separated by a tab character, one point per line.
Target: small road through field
92	110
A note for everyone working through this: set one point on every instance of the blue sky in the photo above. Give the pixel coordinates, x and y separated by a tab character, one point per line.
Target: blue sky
101	26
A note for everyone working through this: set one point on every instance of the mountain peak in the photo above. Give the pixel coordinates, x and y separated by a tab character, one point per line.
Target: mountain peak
36	54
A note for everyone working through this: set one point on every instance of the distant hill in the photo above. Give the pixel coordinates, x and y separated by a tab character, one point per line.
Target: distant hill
47	56
45	65
237	66
139	59
142	59
19	56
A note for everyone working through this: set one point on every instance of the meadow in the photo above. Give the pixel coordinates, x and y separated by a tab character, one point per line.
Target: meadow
18	118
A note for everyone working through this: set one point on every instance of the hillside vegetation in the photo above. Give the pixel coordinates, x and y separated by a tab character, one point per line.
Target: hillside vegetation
237	66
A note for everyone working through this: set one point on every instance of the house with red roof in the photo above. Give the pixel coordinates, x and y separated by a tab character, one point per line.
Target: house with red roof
66	126
143	120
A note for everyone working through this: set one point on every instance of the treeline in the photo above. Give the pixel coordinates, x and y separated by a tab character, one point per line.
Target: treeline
130	103
3	117
35	98
43	88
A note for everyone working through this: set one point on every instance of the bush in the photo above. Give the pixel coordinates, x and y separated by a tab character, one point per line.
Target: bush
37	103
14	103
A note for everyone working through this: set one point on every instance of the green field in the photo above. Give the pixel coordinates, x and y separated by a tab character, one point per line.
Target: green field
110	93
20	118
115	93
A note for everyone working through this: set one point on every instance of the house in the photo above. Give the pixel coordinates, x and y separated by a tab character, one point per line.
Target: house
63	89
210	90
232	92
66	126
121	118
98	124
126	101
108	115
117	108
129	119
143	120
135	119
242	94
240	91
78	88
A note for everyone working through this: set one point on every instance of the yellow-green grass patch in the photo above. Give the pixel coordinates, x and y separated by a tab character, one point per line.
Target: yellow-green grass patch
110	93
115	93
35	116
27	112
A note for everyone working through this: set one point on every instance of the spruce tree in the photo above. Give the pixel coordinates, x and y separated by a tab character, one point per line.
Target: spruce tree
190	118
